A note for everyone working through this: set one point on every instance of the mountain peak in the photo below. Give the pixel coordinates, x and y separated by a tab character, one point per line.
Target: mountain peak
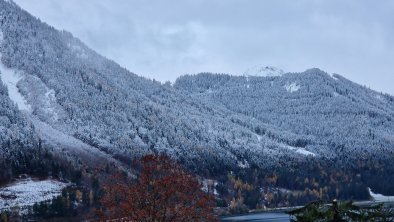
264	71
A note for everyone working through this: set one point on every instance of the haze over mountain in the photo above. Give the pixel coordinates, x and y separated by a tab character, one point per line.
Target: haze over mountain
87	108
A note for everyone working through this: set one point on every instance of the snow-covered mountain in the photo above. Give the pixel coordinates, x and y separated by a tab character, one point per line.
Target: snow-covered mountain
85	107
331	115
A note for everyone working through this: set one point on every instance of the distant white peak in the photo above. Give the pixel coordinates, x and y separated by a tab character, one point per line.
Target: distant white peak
264	71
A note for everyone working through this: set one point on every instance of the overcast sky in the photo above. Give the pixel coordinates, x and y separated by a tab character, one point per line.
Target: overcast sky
163	39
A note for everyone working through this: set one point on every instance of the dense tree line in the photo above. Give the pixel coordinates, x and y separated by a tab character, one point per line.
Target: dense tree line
341	212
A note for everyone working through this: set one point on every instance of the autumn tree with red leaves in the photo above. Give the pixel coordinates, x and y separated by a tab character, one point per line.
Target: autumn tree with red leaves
163	192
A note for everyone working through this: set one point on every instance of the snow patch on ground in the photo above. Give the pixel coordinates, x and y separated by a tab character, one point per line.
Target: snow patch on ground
292	87
259	137
379	97
247	81
27	192
334	76
209	186
50	95
11	78
264	71
243	164
304	152
380	197
299	150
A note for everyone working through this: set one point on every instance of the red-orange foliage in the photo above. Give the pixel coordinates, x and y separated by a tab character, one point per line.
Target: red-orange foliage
163	192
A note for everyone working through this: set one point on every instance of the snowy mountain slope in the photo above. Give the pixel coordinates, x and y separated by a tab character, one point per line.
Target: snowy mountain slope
70	147
11	78
14	127
39	101
337	115
88	98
